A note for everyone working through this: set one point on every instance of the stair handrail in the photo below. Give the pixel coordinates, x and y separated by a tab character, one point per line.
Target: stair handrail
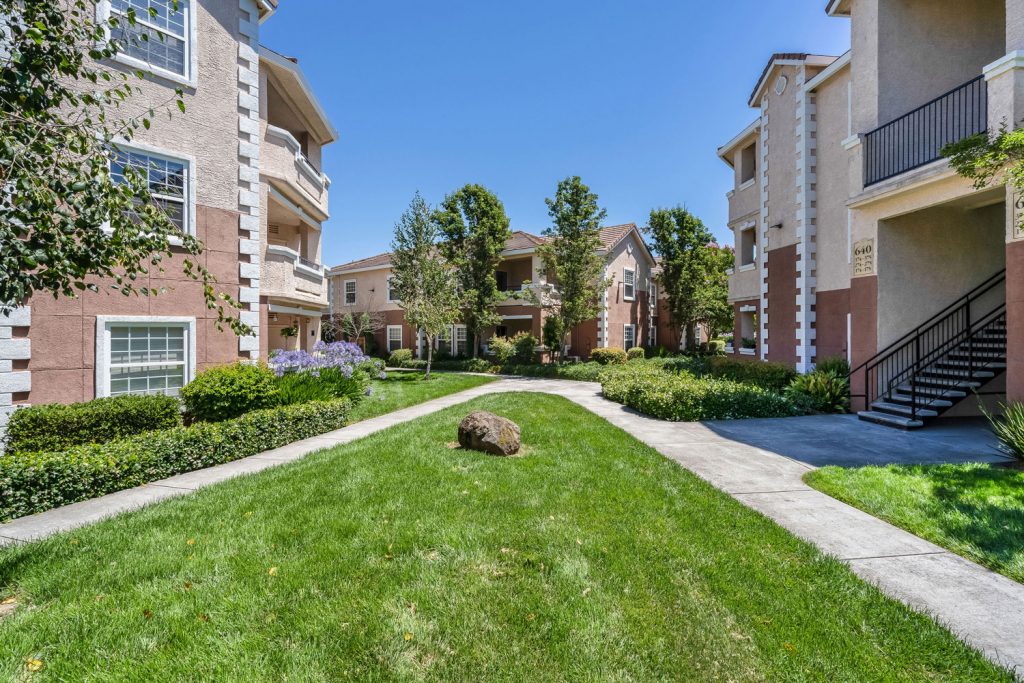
914	337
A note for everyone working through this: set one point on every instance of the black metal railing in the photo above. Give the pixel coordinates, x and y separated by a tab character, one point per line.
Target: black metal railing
902	361
917	138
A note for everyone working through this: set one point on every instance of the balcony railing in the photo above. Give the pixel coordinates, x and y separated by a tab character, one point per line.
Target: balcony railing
917	138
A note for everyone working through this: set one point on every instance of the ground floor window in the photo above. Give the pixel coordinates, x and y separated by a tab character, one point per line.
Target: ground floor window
460	344
628	336
144	355
394	337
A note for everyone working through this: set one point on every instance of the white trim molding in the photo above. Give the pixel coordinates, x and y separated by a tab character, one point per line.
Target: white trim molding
191	177
318	178
11	349
401	337
806	223
296	259
1008	62
191	39
249	191
103	325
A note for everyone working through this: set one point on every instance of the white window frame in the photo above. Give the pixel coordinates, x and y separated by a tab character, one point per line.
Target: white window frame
191	78
456	329
105	322
344	292
632	328
401	337
388	285
189	211
628	295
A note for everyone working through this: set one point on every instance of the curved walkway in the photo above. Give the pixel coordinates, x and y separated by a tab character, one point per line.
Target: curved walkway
982	607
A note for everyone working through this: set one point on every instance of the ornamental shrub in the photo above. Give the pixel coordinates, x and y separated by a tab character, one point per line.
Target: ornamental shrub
399	356
823	391
636	353
608	356
56	427
837	365
525	347
685	398
502	349
1009	429
225	392
772	376
34	482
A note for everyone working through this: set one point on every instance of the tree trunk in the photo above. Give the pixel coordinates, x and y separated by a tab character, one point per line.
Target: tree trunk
476	345
430	354
691	336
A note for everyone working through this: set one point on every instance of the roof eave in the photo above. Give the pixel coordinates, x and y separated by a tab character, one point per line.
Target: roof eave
266	8
838	8
726	150
283	66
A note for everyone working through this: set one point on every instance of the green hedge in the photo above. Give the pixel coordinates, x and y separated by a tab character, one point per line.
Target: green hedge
685	398
772	376
608	356
227	391
57	427
467	365
34	482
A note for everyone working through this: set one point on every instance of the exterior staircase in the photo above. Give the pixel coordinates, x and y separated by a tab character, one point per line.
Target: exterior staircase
939	364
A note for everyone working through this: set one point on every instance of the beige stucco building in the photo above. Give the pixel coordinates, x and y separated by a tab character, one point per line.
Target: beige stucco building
854	237
241	167
629	318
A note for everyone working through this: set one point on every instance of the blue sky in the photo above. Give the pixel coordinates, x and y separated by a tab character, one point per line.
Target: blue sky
632	95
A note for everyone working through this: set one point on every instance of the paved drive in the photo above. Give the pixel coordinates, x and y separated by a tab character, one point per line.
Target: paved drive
759	462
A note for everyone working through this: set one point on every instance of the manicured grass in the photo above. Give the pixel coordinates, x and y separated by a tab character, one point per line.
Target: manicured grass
403	389
974	510
397	557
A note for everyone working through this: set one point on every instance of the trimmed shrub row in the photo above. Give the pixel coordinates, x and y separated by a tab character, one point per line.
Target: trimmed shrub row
772	376
685	398
34	482
608	356
58	427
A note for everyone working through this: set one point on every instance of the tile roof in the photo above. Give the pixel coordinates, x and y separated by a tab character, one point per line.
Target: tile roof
378	261
613	234
523	240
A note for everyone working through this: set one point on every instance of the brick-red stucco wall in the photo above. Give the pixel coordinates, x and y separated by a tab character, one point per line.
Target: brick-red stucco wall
782	305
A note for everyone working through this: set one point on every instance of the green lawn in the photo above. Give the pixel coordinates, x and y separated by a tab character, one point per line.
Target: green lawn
397	557
403	389
974	510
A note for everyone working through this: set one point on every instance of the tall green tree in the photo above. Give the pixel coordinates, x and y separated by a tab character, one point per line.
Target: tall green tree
714	308
475	229
693	271
425	282
65	221
571	259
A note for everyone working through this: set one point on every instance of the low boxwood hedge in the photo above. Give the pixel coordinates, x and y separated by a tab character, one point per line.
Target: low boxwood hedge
57	427
772	376
34	482
685	398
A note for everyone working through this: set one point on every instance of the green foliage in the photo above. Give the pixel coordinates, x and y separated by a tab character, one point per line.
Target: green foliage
571	258
636	353
452	365
991	159
475	229
771	376
426	285
685	398
525	346
399	356
839	366
1009	429
693	272
57	427
34	482
823	391
608	356
63	113
553	333
329	384
502	349
227	391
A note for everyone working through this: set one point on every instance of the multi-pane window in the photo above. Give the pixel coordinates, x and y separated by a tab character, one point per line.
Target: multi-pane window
159	39
628	284
350	292
167	181
460	345
628	336
392	295
394	337
147	359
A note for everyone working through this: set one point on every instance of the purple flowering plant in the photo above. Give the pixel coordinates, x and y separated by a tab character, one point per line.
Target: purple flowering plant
345	357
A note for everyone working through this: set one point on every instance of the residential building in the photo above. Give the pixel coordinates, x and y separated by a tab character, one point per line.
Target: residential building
626	321
240	166
853	235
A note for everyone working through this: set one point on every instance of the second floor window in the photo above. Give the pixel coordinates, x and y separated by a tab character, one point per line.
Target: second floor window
350	292
628	284
160	40
167	179
502	279
392	295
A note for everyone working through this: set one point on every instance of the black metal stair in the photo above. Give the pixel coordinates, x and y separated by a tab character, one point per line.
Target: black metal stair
936	366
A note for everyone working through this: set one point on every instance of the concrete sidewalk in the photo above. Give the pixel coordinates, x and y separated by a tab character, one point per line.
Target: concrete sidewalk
759	462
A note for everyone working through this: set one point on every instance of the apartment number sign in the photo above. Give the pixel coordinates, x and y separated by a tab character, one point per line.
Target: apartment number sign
1018	216
864	257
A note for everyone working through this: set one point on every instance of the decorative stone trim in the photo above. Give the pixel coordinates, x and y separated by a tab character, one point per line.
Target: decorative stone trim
762	320
13	349
249	173
806	224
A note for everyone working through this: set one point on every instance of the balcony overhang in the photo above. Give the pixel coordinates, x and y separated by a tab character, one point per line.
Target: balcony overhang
266	8
725	151
296	88
285	195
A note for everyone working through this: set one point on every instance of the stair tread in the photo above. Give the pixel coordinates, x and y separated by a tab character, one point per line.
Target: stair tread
889	420
922	401
899	408
930	391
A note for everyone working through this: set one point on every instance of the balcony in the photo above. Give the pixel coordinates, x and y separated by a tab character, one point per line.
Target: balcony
283	159
917	138
288	275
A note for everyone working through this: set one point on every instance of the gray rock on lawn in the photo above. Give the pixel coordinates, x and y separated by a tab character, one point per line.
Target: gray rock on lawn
487	432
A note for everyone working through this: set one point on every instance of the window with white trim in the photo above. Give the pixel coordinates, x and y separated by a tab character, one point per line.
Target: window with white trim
392	296
628	284
350	292
168	180
160	39
394	337
460	344
147	359
628	336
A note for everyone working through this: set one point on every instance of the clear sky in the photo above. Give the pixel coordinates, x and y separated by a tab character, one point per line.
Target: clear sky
634	96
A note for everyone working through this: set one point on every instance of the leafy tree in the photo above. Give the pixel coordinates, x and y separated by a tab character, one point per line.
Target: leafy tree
424	281
571	258
992	159
475	230
66	224
693	271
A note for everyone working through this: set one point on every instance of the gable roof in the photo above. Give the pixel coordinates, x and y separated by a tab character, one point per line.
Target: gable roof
368	263
782	59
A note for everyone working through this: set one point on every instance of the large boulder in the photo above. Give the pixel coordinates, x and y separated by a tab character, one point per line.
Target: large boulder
490	433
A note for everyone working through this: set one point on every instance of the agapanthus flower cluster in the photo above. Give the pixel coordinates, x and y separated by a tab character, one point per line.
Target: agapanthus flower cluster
345	357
